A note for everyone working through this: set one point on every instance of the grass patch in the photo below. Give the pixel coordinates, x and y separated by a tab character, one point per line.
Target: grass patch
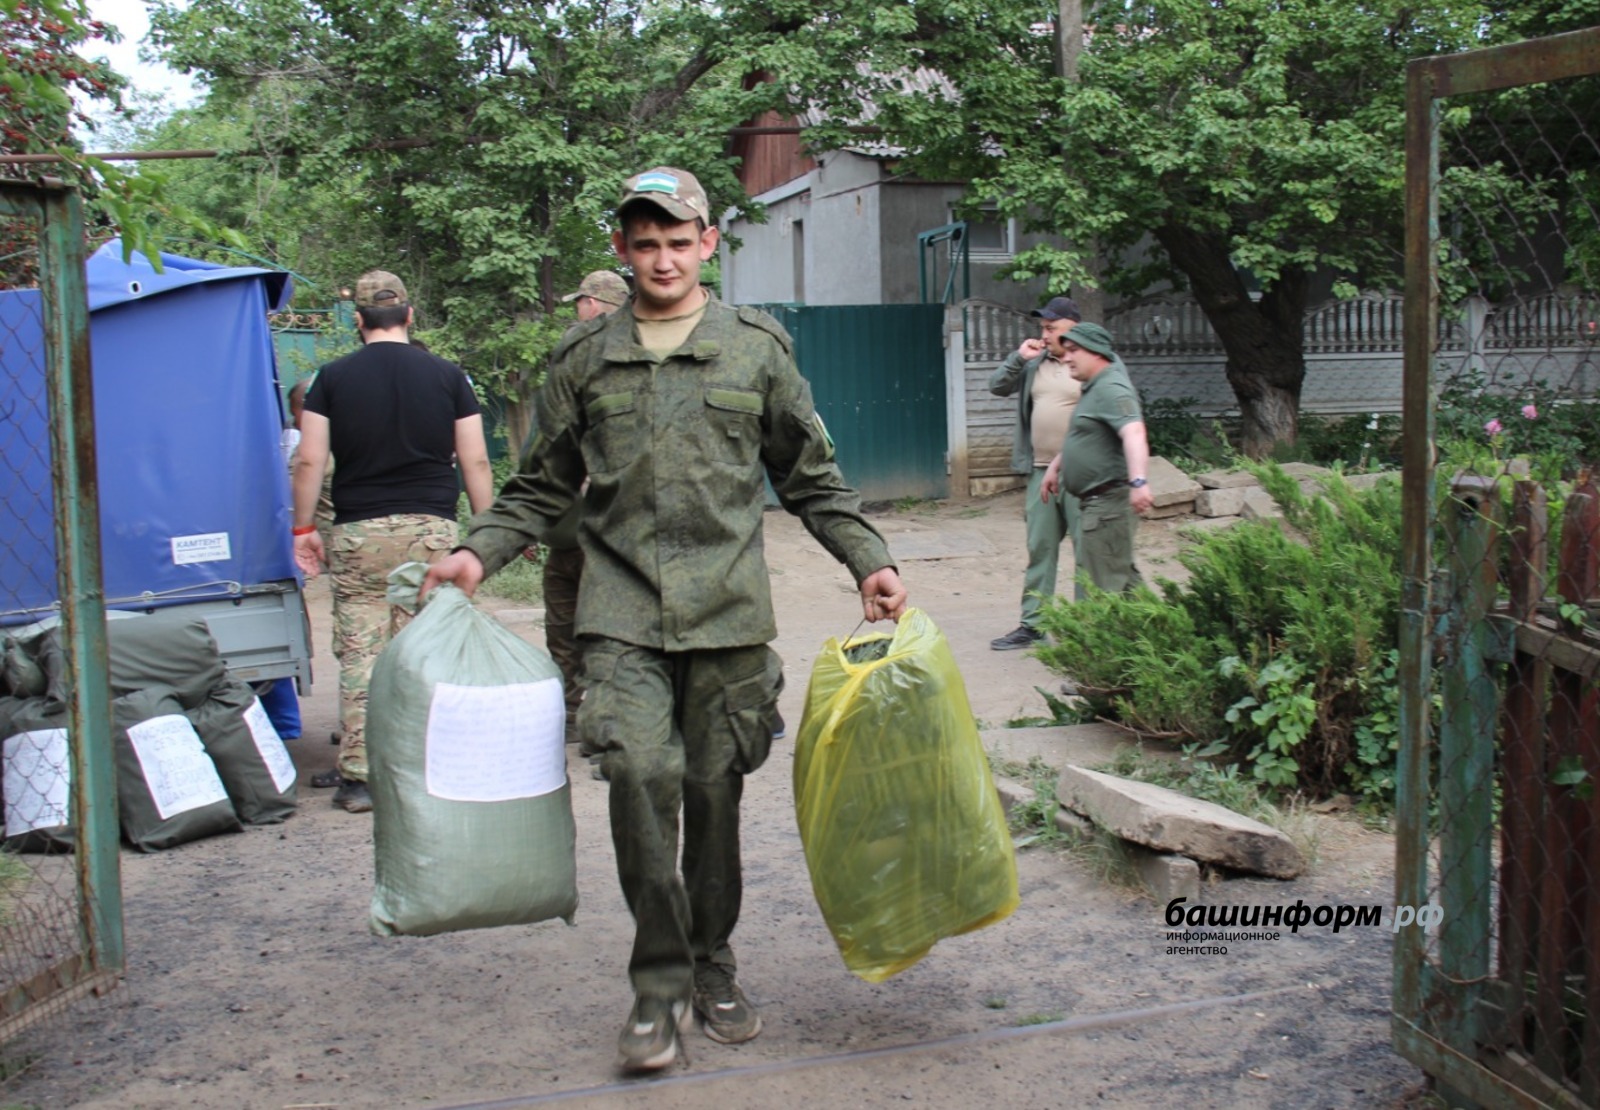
14	876
1042	1019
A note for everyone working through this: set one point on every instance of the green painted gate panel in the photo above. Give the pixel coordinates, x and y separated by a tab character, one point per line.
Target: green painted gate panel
877	375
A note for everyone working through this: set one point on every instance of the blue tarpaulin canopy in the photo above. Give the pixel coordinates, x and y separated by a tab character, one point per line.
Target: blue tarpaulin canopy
194	495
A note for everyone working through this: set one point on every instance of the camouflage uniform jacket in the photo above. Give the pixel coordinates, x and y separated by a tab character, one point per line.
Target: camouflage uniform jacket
675	451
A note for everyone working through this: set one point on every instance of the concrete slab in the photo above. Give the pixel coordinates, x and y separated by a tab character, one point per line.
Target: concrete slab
1259	505
1166	876
1367	481
1223	501
1171	822
1169	485
1301	471
1227	479
1167	512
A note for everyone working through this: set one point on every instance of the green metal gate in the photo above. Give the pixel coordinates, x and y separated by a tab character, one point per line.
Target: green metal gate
877	375
1498	824
60	915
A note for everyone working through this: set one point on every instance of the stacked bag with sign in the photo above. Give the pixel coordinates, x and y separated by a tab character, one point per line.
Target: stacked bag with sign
903	832
195	752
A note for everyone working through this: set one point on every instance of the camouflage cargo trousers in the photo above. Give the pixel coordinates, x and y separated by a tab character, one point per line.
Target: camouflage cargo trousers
360	557
677	733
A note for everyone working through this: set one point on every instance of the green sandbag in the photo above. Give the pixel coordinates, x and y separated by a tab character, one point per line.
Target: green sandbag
472	811
35	775
20	674
168	790
250	756
163	649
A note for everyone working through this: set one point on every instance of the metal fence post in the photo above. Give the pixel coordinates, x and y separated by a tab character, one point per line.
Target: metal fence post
77	531
1470	696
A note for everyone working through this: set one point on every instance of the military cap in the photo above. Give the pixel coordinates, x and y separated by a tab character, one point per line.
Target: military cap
379	289
675	191
1091	337
602	285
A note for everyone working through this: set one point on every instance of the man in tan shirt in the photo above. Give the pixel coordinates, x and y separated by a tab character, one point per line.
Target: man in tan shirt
1046	396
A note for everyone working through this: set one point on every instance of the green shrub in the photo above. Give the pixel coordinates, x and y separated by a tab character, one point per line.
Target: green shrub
1276	647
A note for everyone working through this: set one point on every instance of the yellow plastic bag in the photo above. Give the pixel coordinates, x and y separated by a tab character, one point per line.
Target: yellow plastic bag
903	832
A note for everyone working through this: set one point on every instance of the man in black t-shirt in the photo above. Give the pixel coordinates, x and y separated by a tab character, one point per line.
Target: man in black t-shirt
397	420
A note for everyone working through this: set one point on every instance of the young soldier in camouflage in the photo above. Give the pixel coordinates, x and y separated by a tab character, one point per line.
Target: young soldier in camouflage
675	407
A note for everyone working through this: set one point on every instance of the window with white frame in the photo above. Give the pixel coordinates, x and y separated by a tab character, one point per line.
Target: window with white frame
991	237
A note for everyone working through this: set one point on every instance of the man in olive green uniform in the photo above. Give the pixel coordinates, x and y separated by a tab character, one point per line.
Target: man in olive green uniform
1103	461
675	408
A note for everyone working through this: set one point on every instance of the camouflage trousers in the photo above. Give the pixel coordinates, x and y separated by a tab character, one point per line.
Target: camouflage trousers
563	571
360	557
678	731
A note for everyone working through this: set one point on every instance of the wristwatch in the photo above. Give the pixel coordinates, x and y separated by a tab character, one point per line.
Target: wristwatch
1138	483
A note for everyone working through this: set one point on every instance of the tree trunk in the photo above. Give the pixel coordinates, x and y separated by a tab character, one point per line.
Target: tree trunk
1264	340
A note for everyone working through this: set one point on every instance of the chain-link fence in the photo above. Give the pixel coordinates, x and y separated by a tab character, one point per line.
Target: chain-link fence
1498	997
60	900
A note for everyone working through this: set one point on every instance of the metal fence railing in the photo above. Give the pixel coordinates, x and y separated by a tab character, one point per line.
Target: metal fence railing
60	889
1498	815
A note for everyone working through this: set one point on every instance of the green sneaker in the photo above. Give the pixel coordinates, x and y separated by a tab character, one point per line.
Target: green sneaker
649	1041
730	1017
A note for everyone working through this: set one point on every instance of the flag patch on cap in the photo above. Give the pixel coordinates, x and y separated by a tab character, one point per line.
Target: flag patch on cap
657	183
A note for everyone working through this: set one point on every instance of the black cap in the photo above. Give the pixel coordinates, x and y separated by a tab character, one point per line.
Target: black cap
1059	308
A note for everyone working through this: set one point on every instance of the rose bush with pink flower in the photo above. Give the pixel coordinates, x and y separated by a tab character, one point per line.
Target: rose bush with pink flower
1530	412
1494	427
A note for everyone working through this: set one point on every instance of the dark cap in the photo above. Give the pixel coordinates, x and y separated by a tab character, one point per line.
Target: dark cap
1091	337
602	285
379	289
674	191
1059	308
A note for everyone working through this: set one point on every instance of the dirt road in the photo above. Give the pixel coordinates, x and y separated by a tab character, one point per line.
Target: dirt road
252	980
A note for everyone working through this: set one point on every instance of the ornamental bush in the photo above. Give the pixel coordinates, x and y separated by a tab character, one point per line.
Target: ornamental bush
1278	653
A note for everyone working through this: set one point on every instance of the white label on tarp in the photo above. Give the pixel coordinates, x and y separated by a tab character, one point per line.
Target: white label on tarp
496	743
211	547
37	780
177	770
271	746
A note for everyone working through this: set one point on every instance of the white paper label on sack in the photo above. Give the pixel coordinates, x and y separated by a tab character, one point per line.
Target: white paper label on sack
496	743
271	746
177	770
37	782
206	547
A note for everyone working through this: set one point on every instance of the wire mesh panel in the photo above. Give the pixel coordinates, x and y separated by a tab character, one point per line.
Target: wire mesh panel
1499	822
60	902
